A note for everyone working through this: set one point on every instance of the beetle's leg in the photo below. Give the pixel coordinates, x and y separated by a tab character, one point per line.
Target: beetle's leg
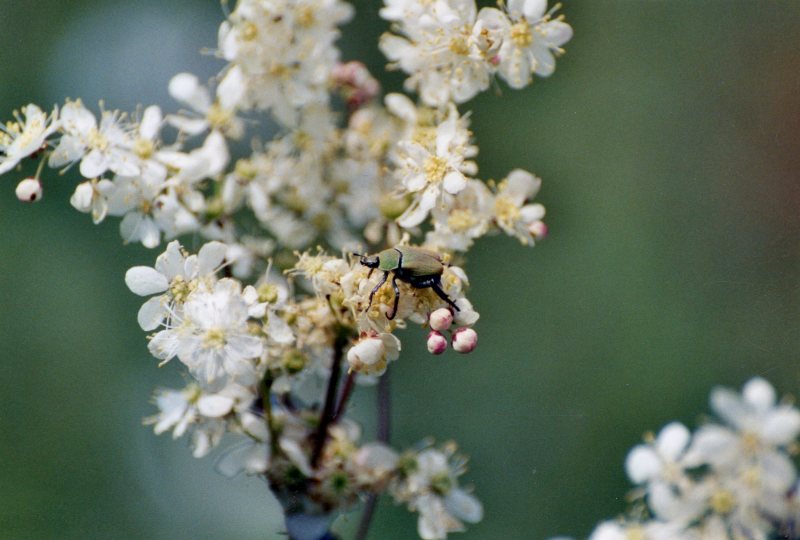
369	274
378	286
441	294
396	297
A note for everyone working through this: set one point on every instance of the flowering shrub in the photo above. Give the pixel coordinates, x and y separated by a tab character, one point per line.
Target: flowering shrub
364	207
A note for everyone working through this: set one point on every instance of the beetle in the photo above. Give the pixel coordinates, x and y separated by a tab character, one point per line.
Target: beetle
421	268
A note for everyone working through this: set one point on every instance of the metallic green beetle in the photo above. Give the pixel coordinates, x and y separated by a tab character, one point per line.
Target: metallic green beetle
420	268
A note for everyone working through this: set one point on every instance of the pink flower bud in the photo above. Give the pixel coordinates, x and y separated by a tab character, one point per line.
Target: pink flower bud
465	340
437	343
538	229
29	190
441	319
495	60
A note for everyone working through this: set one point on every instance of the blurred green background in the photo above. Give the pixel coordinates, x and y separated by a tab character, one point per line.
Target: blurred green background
668	144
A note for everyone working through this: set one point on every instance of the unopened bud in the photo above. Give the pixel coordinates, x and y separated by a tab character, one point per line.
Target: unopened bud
368	356
29	190
437	343
441	319
465	340
538	229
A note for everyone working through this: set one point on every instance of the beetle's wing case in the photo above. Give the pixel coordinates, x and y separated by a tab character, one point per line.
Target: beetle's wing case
420	262
389	259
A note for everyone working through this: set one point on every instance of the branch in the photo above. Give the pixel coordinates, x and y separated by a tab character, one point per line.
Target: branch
384	425
330	400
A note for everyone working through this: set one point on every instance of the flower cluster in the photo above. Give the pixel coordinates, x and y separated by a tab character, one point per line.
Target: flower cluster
451	50
724	481
320	245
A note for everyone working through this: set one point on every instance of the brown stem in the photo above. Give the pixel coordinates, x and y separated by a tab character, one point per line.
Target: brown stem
347	390
330	401
384	425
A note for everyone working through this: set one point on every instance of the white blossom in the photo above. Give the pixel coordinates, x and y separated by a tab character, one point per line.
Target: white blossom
212	338
22	137
99	147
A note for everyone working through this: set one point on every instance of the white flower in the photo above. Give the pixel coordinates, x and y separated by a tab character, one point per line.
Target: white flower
92	196
662	458
431	488
532	41
213	338
280	54
174	274
199	411
462	218
438	49
99	148
21	138
205	114
371	354
651	530
671	493
429	168
760	426
252	456
511	213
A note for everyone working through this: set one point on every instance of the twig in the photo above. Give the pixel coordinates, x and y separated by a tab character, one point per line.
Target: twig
347	390
384	425
330	401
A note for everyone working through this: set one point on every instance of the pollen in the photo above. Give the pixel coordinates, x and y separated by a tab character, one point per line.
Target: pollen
143	148
521	34
635	533
506	211
250	31
214	339
245	169
218	117
425	136
461	220
722	501
458	45
97	140
435	169
180	289
305	16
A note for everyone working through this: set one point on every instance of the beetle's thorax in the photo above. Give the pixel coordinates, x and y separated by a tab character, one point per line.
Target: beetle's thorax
370	262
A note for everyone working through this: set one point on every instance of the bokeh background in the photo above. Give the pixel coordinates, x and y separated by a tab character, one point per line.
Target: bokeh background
668	144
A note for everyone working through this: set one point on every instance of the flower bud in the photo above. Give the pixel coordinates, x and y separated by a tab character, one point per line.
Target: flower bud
538	229
465	340
29	190
368	356
441	319
437	343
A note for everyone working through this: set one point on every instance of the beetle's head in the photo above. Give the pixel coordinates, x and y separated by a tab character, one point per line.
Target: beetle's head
370	262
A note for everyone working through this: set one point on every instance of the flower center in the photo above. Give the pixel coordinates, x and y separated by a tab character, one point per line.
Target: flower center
180	289
218	117
507	212
458	45
250	31
214	339
143	148
97	140
435	169
521	34
722	501
461	220
305	16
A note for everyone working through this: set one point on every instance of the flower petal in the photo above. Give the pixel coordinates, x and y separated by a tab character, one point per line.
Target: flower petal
144	281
